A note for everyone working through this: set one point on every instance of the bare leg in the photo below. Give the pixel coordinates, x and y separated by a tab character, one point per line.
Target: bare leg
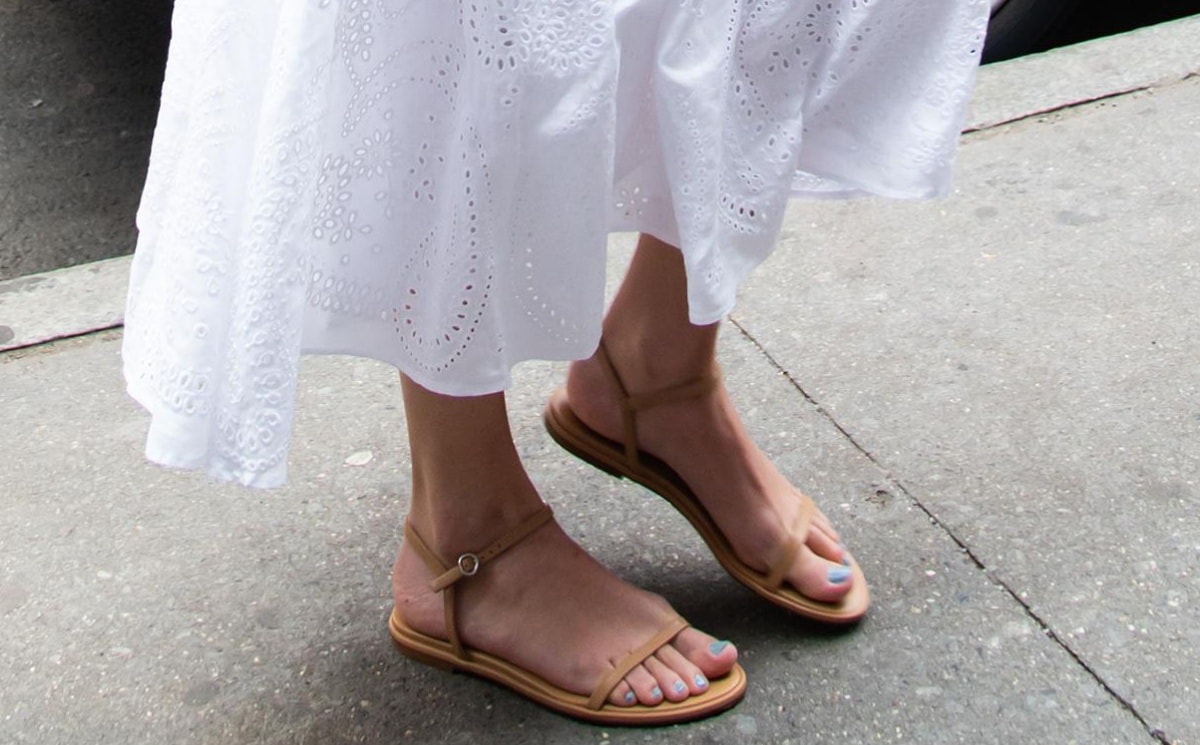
545	605
654	346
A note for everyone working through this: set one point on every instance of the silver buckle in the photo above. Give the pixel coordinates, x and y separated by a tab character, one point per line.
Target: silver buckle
468	564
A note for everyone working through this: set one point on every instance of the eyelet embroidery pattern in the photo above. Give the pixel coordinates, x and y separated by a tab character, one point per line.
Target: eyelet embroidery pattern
540	38
432	185
212	340
813	99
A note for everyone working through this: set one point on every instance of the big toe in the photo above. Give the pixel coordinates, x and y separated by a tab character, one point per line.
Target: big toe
817	577
714	658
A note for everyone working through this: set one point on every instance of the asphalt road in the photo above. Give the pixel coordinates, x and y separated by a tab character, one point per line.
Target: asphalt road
79	85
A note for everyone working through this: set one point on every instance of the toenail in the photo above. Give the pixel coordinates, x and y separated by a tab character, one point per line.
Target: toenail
838	575
700	680
717	647
680	686
630	697
655	692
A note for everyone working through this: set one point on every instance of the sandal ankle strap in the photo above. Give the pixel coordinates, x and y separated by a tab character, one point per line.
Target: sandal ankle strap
631	404
468	565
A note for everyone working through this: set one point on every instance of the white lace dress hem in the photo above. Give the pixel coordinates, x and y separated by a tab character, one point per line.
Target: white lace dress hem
432	184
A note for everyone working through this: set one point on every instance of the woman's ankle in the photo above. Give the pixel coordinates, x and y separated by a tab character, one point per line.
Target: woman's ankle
469	485
650	360
461	522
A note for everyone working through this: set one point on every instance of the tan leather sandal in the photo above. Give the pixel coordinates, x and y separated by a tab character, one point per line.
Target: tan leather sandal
627	460
721	693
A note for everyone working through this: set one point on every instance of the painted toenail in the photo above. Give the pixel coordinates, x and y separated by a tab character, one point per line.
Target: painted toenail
717	647
680	686
655	692
838	575
700	680
630	697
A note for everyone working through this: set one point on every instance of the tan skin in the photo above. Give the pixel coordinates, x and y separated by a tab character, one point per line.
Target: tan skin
546	596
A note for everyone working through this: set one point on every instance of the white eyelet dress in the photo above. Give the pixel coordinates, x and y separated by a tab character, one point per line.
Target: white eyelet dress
431	182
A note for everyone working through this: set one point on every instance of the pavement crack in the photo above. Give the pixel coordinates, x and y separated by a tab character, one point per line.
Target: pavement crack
1080	103
1076	104
1155	733
21	349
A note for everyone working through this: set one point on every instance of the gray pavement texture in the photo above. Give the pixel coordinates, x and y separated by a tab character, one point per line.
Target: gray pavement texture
79	84
995	396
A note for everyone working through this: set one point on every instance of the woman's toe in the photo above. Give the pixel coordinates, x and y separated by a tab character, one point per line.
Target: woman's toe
622	695
713	657
820	579
645	686
669	681
824	545
693	679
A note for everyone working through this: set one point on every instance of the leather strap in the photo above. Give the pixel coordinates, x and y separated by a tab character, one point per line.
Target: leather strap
606	685
633	403
468	565
787	556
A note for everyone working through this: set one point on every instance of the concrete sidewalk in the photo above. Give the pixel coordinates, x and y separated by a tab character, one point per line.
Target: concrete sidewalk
996	396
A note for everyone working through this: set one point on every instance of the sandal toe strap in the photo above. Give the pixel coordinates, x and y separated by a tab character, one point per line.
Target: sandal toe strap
633	659
797	538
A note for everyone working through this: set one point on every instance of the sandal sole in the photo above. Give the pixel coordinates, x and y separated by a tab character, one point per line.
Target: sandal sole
721	695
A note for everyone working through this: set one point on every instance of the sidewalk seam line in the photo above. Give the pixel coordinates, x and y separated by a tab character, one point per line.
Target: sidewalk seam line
1080	103
1157	734
63	337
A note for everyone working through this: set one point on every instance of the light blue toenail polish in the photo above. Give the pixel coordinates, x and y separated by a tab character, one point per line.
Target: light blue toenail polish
717	647
838	575
655	692
680	686
630	698
700	680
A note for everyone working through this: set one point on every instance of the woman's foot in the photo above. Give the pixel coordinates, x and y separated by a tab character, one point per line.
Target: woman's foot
704	440
546	606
